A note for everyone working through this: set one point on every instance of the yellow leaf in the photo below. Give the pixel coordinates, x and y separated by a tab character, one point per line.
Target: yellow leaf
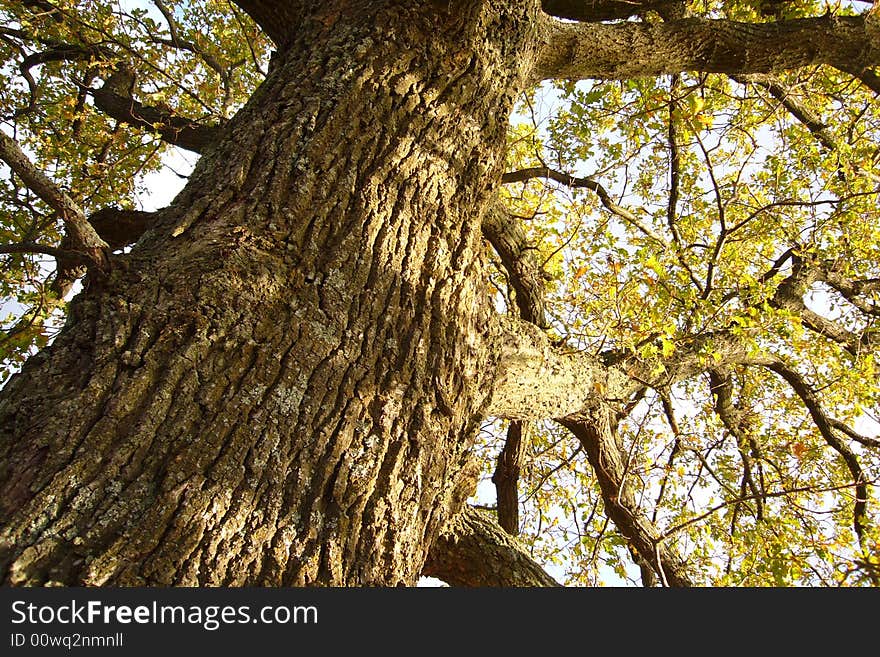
655	266
705	120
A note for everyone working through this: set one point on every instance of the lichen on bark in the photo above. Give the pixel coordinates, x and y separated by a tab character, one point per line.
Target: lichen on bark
281	383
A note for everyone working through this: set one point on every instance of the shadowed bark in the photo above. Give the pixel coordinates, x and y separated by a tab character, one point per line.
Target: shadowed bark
506	478
593	11
474	551
282	382
186	133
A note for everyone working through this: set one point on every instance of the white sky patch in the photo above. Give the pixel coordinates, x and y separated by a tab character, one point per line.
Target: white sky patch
158	188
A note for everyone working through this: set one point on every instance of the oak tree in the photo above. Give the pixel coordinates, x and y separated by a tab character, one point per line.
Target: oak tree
618	258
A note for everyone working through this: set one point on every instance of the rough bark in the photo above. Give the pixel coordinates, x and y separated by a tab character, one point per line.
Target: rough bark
474	551
603	10
282	381
625	50
536	379
506	478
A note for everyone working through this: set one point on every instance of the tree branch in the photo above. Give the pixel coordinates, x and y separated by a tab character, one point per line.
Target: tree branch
118	227
506	478
472	550
627	50
597	437
593	11
865	75
607	202
508	238
802	113
789	295
538	380
34	247
736	423
854	290
183	44
852	433
674	162
587	183
80	236
826	429
797	109
525	274
176	130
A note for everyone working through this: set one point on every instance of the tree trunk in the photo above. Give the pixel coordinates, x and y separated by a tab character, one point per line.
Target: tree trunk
281	383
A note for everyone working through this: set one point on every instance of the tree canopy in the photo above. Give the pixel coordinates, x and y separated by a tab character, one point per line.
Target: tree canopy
694	210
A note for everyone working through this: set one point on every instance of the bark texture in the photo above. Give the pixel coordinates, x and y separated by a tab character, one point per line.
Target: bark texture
506	478
634	49
474	551
280	385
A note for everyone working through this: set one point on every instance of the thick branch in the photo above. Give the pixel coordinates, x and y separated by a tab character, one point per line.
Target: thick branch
176	130
518	258
506	478
538	380
626	50
597	438
854	291
474	551
81	237
789	295
118	227
525	274
37	181
867	77
593	11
